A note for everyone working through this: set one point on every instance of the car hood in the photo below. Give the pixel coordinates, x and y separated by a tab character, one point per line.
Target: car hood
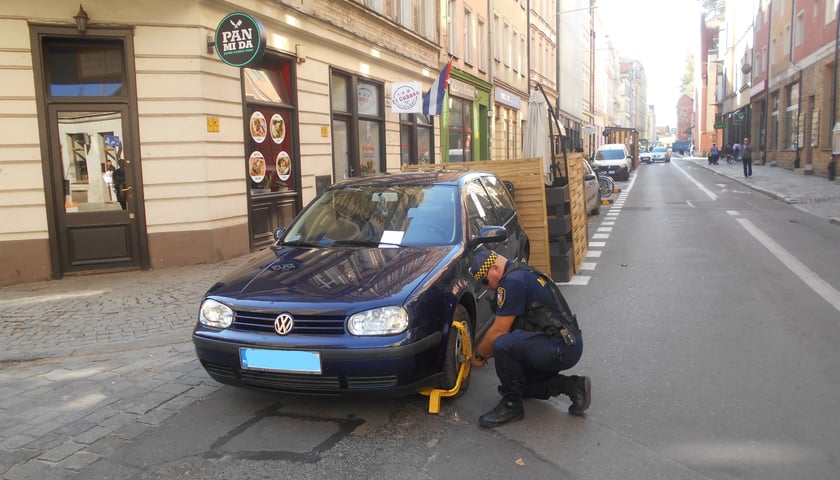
331	275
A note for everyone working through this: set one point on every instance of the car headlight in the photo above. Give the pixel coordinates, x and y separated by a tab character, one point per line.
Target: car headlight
215	314
379	321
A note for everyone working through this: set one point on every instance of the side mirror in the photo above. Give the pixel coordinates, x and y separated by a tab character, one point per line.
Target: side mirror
278	233
589	176
489	234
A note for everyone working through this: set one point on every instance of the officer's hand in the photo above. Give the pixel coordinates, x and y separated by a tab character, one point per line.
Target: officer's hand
476	362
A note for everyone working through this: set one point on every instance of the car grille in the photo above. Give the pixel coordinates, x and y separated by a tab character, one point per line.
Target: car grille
289	382
304	324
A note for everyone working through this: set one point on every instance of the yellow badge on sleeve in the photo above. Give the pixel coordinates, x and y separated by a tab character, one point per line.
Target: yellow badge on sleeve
500	297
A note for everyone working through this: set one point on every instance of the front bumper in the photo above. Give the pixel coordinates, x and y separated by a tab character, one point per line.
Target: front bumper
385	371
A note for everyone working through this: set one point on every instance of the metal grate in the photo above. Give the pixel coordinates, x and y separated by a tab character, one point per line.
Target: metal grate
304	325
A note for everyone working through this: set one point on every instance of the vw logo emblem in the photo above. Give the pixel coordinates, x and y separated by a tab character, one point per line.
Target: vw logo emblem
283	324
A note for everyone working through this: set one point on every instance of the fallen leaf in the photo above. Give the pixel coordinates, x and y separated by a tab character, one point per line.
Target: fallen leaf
520	462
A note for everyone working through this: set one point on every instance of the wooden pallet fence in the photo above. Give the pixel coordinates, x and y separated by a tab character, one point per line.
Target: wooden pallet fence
527	178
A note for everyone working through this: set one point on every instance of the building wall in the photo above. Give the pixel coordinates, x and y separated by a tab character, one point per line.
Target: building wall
194	181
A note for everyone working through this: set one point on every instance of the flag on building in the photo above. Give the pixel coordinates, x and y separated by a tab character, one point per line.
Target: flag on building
433	99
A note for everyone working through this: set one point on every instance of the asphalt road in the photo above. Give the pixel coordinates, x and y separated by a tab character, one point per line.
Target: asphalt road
710	319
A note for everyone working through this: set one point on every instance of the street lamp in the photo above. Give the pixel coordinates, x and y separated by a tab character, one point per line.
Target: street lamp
81	20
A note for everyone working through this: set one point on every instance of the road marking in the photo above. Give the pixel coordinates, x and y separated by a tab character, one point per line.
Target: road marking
705	190
576	280
601	235
597	244
733	213
605	229
690	204
817	284
587	265
593	253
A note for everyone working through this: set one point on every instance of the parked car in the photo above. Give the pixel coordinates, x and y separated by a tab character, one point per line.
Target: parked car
359	293
644	155
614	160
591	190
660	154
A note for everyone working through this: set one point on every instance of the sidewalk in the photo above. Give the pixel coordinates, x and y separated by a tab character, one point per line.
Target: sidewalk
815	195
90	314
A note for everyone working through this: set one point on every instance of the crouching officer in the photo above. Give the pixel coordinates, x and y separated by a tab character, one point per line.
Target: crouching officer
533	337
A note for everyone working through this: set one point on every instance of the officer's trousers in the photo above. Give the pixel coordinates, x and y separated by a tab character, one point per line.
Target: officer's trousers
525	361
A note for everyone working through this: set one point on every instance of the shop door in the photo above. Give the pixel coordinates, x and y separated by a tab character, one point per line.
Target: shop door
95	185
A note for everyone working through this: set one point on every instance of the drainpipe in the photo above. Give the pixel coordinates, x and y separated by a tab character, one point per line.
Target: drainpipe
796	161
491	114
767	86
832	165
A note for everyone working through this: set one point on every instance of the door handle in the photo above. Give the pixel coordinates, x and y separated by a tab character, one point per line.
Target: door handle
127	189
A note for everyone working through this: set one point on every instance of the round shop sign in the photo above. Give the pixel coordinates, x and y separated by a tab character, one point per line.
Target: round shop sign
240	40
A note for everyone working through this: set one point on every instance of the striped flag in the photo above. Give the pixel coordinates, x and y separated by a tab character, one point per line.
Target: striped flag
433	99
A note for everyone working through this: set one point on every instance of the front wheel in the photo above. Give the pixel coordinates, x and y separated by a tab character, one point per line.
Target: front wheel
454	352
606	185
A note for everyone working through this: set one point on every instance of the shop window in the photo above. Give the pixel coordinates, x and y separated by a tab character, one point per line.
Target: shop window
792	118
85	68
460	130
358	120
416	134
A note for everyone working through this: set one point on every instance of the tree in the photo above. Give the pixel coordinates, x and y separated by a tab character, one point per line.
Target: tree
687	82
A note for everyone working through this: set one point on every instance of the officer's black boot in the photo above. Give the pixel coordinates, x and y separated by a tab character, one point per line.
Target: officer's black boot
578	388
509	409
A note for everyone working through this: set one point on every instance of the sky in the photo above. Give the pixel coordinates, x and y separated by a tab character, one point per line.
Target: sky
659	34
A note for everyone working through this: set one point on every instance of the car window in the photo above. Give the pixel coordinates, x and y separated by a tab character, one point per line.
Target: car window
587	169
500	197
479	208
609	155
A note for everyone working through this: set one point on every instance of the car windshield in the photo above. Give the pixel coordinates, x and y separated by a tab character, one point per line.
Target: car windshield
659	150
609	155
375	215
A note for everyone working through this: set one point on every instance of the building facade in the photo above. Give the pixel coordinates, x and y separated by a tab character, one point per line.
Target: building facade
132	140
777	80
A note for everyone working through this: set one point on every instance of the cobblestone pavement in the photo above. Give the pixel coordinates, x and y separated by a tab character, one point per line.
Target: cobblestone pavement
89	363
810	193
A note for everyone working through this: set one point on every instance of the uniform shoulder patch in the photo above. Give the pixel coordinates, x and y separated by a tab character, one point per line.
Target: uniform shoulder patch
501	295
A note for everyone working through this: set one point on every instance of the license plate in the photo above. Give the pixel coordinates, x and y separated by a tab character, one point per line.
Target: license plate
280	360
610	171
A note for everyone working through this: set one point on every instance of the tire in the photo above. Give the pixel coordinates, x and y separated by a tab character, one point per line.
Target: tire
453	351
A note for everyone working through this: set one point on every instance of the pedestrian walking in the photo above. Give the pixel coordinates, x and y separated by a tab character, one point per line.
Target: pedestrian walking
533	337
714	155
746	157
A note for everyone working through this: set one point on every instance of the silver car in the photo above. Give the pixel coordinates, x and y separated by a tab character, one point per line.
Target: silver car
591	190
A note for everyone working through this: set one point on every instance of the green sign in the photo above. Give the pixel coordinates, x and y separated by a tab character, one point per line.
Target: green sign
720	126
240	40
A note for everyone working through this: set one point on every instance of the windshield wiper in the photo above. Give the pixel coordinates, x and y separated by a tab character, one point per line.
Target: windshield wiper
362	243
298	243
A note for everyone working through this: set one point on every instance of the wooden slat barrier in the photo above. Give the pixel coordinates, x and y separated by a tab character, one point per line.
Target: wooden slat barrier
527	178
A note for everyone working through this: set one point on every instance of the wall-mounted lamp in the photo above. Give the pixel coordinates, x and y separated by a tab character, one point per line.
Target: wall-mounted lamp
301	58
81	20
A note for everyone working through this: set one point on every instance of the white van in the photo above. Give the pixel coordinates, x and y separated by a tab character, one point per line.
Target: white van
613	159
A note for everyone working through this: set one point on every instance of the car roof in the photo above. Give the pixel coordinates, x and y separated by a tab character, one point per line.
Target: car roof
612	146
451	177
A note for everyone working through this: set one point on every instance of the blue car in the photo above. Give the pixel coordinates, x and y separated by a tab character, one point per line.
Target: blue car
358	294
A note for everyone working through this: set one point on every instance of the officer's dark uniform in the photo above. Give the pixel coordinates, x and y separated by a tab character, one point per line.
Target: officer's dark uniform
544	339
